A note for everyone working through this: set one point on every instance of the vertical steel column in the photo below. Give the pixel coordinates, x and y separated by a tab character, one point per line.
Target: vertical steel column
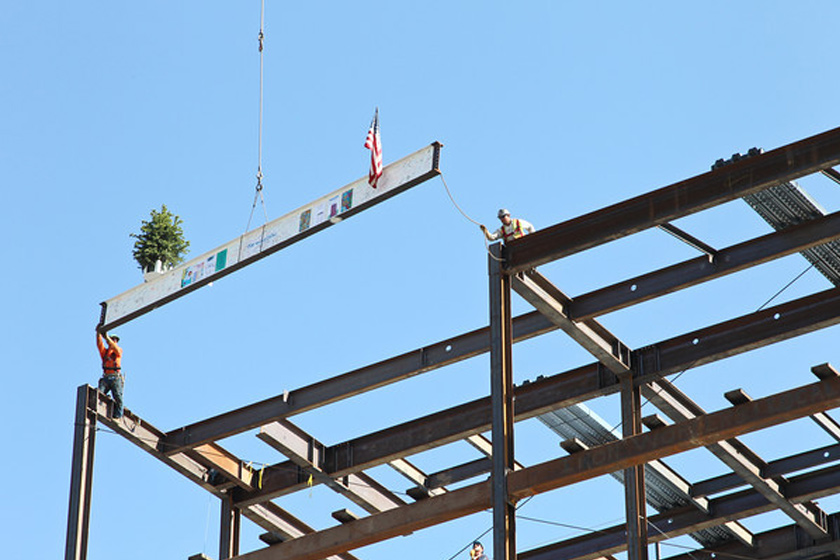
634	477
81	477
501	392
229	533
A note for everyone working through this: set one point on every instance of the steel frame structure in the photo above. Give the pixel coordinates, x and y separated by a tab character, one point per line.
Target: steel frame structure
764	486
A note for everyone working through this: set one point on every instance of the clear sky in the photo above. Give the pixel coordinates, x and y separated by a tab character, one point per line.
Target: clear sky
552	109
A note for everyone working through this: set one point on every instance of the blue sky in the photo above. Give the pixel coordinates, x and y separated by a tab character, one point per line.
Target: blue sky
551	109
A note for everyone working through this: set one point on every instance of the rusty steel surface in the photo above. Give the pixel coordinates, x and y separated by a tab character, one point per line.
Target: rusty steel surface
756	415
193	450
680	199
687	519
713	343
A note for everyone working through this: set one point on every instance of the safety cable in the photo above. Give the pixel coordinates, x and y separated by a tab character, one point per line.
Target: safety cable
258	195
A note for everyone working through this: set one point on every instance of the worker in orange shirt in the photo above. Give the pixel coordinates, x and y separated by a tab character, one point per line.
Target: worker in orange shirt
511	228
112	378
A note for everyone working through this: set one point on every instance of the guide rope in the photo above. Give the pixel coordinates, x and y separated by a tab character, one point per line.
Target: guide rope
486	243
258	195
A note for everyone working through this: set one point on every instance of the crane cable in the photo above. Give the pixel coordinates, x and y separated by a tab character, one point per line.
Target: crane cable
258	195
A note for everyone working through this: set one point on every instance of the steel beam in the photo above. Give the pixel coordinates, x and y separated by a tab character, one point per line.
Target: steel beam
145	436
81	477
669	356
680	199
501	403
307	452
686	520
344	386
827	423
282	525
470	469
698	270
787	465
676	483
784	543
460	472
415	475
474	343
832	174
551	302
690	240
618	455
679	407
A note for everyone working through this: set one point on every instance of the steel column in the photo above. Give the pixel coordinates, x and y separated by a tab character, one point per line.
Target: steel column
634	477
229	533
81	477
501	398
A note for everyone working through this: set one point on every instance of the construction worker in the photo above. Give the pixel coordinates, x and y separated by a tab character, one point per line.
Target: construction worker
112	378
511	228
477	552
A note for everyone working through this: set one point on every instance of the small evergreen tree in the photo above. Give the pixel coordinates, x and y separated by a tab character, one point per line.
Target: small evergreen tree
160	238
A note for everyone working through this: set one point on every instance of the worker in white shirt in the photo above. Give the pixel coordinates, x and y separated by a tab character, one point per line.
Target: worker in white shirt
512	228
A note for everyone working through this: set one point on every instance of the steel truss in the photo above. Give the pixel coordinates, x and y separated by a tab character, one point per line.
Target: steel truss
193	450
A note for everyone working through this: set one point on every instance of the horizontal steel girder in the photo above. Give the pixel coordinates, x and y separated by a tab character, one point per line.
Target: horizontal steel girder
698	270
679	407
746	176
304	450
685	520
553	304
621	454
784	543
526	326
145	436
670	356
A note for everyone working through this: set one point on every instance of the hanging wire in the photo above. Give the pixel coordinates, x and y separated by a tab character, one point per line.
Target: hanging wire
486	244
258	195
519	505
760	308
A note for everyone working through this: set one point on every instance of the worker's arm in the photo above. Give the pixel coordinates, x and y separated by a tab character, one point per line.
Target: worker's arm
100	344
527	227
491	236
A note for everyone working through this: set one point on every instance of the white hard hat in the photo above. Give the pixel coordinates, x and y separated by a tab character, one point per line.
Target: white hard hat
503	212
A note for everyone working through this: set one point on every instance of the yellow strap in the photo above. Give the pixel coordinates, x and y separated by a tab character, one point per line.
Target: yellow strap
259	484
309	482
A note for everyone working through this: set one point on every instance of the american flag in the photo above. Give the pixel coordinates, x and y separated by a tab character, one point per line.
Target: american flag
374	144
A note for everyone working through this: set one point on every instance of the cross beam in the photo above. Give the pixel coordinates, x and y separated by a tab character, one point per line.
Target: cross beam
307	452
526	326
679	407
669	440
669	356
784	543
686	520
145	436
741	178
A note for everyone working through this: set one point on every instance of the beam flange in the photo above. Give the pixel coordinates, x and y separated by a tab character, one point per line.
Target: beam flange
307	452
679	437
674	523
679	407
680	199
551	302
669	356
695	271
